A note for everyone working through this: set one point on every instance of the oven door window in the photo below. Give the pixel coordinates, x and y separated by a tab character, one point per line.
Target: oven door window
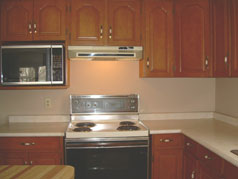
26	66
109	163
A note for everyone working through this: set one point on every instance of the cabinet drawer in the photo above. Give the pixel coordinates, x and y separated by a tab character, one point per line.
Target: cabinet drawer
16	143
210	160
167	140
190	146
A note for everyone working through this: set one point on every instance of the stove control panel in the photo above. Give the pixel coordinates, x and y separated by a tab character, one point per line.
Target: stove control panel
104	104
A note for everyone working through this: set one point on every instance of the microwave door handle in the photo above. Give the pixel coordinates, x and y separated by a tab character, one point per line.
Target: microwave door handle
51	65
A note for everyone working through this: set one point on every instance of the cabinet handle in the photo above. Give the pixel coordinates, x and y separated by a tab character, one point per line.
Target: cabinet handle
166	140
31	162
193	175
101	32
148	62
35	31
226	61
29	28
207	157
28	143
188	144
206	62
110	32
25	162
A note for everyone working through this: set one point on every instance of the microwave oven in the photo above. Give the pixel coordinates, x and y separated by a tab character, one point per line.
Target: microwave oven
32	65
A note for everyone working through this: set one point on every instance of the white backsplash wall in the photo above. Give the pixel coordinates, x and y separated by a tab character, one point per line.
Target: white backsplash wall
227	96
157	95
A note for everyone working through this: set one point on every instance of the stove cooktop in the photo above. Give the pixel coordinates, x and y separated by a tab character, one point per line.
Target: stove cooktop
78	129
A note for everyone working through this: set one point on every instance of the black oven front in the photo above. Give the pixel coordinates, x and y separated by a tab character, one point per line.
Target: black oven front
103	158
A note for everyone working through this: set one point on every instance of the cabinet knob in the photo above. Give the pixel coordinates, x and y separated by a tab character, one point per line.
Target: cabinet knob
206	62
31	162
193	175
166	140
35	31
207	157
148	62
110	32
28	143
188	144
101	32
25	162
29	29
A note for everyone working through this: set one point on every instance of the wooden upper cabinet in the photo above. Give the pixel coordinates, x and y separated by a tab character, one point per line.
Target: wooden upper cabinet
16	20
124	22
88	26
49	19
26	20
105	22
234	37
158	58
192	38
222	55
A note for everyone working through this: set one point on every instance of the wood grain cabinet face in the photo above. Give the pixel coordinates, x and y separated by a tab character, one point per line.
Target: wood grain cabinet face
230	171
124	17
234	38
167	157
31	150
105	22
158	58
16	20
190	166
49	19
88	26
192	38
26	20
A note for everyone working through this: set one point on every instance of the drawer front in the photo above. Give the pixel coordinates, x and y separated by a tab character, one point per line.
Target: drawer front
16	143
167	140
210	160
190	146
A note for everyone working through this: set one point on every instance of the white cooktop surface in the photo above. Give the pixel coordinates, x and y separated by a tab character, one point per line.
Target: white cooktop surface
106	129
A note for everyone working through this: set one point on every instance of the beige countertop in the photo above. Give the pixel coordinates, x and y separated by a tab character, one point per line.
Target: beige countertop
215	135
33	129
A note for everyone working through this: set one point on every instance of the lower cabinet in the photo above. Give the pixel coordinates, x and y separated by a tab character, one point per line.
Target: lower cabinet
167	156
31	150
230	171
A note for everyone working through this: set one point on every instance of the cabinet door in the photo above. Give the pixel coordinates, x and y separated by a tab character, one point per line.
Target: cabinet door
158	59
192	35
13	158
234	37
16	20
204	173
87	22
190	167
45	158
167	164
124	22
49	19
230	171
222	60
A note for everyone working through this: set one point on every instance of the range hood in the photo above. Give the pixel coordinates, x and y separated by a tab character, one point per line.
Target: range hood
105	53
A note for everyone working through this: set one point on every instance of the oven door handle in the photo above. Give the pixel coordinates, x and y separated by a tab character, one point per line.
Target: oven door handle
106	147
91	145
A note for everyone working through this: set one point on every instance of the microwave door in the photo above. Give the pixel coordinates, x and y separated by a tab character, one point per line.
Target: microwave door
26	65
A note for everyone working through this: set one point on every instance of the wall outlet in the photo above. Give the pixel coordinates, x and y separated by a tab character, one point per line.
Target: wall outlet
48	103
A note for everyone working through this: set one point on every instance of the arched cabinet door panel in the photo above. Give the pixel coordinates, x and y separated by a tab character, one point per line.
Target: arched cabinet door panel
87	22
16	20
124	17
49	19
192	38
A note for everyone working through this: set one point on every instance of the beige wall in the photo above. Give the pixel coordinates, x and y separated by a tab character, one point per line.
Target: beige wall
227	96
156	95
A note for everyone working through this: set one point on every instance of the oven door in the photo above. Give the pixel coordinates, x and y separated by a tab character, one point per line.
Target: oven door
108	159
